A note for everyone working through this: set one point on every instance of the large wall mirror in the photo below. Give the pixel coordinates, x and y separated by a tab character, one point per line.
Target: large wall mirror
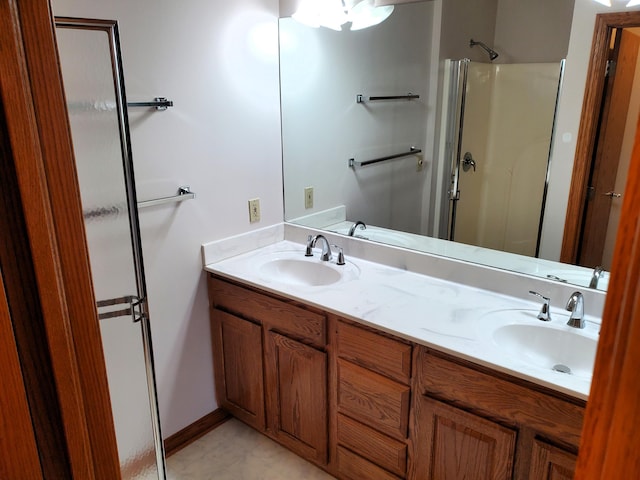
460	163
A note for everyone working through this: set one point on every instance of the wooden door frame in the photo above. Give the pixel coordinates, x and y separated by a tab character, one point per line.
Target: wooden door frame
610	440
39	140
587	133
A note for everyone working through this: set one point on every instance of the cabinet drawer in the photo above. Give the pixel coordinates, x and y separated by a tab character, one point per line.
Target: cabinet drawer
278	315
354	467
373	399
494	397
375	352
384	451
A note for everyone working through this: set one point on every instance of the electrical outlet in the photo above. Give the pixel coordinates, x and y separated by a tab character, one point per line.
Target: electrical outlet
308	197
254	210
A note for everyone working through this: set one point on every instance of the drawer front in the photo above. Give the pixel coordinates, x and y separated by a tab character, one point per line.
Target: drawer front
274	314
354	467
384	451
492	396
376	352
373	399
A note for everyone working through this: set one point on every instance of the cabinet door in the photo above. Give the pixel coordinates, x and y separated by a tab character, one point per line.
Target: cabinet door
551	463
454	445
296	394
237	352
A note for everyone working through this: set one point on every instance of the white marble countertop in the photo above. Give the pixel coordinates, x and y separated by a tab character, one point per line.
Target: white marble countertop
442	315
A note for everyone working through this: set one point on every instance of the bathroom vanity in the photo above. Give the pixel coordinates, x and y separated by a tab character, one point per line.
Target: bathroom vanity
363	402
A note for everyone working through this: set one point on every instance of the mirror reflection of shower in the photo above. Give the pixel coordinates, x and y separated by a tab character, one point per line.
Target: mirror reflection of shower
492	53
503	115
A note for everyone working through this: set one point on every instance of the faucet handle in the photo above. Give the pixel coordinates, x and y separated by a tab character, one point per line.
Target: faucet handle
309	251
545	314
340	255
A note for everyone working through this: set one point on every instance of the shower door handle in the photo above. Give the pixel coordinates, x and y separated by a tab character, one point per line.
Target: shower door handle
134	309
468	162
612	194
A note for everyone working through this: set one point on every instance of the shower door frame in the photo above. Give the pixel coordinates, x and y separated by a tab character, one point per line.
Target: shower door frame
457	104
110	27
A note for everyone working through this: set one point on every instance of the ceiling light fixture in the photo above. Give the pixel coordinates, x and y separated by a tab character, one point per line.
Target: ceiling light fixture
334	14
606	3
633	3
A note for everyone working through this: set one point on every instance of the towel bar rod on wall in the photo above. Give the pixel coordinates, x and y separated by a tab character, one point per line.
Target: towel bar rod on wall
360	98
160	103
184	193
412	151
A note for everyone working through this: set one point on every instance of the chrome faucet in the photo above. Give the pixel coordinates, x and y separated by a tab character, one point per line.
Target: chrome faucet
575	305
597	272
544	314
311	244
352	230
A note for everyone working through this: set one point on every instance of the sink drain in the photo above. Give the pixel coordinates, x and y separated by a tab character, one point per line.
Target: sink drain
561	368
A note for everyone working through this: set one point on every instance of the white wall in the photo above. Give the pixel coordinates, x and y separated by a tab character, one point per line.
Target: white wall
568	121
218	61
532	31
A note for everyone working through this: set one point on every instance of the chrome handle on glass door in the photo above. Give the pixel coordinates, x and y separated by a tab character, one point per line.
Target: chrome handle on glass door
468	162
135	308
612	194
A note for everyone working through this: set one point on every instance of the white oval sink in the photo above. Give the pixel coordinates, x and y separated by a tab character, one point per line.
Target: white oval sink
293	268
549	348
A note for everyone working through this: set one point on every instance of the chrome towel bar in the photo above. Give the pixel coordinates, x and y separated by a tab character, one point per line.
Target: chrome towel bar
184	193
412	151
360	98
160	104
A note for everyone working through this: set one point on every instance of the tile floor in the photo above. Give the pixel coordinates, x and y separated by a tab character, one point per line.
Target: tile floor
234	451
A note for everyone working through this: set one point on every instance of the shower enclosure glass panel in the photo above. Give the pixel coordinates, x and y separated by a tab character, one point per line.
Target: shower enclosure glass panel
506	136
90	60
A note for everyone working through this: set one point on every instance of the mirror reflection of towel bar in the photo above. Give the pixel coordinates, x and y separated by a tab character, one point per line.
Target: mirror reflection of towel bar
412	151
360	98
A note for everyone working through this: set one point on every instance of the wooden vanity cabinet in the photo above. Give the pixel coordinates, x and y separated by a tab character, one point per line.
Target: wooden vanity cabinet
270	366
475	424
363	404
372	402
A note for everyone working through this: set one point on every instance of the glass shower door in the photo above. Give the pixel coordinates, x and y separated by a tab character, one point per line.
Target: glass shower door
503	137
90	61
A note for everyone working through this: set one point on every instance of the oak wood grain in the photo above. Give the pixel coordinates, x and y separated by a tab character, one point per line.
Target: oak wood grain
296	396
18	449
610	441
238	367
495	398
373	399
551	463
283	316
354	467
375	352
459	445
380	449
